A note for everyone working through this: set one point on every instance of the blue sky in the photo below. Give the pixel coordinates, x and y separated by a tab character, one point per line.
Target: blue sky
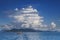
49	9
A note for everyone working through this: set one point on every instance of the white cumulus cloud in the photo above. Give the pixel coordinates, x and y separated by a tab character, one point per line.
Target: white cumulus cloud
29	18
53	26
28	9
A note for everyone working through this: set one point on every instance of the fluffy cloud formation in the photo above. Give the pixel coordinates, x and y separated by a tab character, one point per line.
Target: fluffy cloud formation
28	10
29	18
53	26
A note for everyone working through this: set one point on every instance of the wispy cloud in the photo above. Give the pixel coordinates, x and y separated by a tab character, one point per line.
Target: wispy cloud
58	20
16	9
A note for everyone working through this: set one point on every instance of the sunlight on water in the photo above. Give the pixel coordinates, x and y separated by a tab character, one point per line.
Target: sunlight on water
29	36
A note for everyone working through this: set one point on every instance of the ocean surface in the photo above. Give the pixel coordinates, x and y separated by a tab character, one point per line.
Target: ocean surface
30	36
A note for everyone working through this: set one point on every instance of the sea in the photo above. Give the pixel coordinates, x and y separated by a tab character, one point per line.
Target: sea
30	36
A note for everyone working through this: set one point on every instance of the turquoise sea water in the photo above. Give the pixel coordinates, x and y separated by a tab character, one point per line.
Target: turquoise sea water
30	36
